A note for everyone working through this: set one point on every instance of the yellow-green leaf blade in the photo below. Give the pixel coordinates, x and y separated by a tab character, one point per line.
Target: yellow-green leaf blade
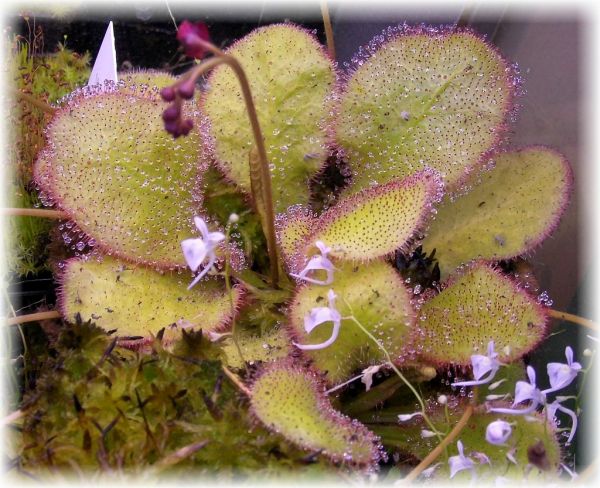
511	210
475	308
291	79
138	301
378	220
127	184
423	97
290	401
380	302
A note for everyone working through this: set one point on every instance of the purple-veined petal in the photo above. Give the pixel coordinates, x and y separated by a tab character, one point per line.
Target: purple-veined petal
194	252
429	471
516	411
404	417
498	432
551	413
523	392
317	316
214	238
316	263
510	455
481	457
562	375
323	248
481	365
531	375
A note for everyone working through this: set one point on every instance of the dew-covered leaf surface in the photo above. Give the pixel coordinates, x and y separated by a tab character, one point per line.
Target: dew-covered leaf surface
292	228
380	302
378	220
138	301
290	401
423	97
149	81
111	166
291	79
509	212
477	307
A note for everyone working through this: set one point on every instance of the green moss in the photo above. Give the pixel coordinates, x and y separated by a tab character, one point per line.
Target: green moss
48	78
98	408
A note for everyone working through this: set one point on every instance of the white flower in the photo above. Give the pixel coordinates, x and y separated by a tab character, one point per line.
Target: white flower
318	316
367	375
562	375
318	262
460	462
498	432
483	365
523	392
197	250
404	417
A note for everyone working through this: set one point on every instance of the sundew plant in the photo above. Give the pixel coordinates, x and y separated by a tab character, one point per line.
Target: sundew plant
274	265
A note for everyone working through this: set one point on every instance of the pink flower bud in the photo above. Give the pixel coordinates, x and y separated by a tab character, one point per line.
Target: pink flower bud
191	36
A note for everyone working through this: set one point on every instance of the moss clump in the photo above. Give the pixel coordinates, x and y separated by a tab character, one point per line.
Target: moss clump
100	408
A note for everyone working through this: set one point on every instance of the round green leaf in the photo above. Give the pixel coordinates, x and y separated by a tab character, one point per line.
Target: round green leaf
111	166
423	98
513	207
291	79
480	306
